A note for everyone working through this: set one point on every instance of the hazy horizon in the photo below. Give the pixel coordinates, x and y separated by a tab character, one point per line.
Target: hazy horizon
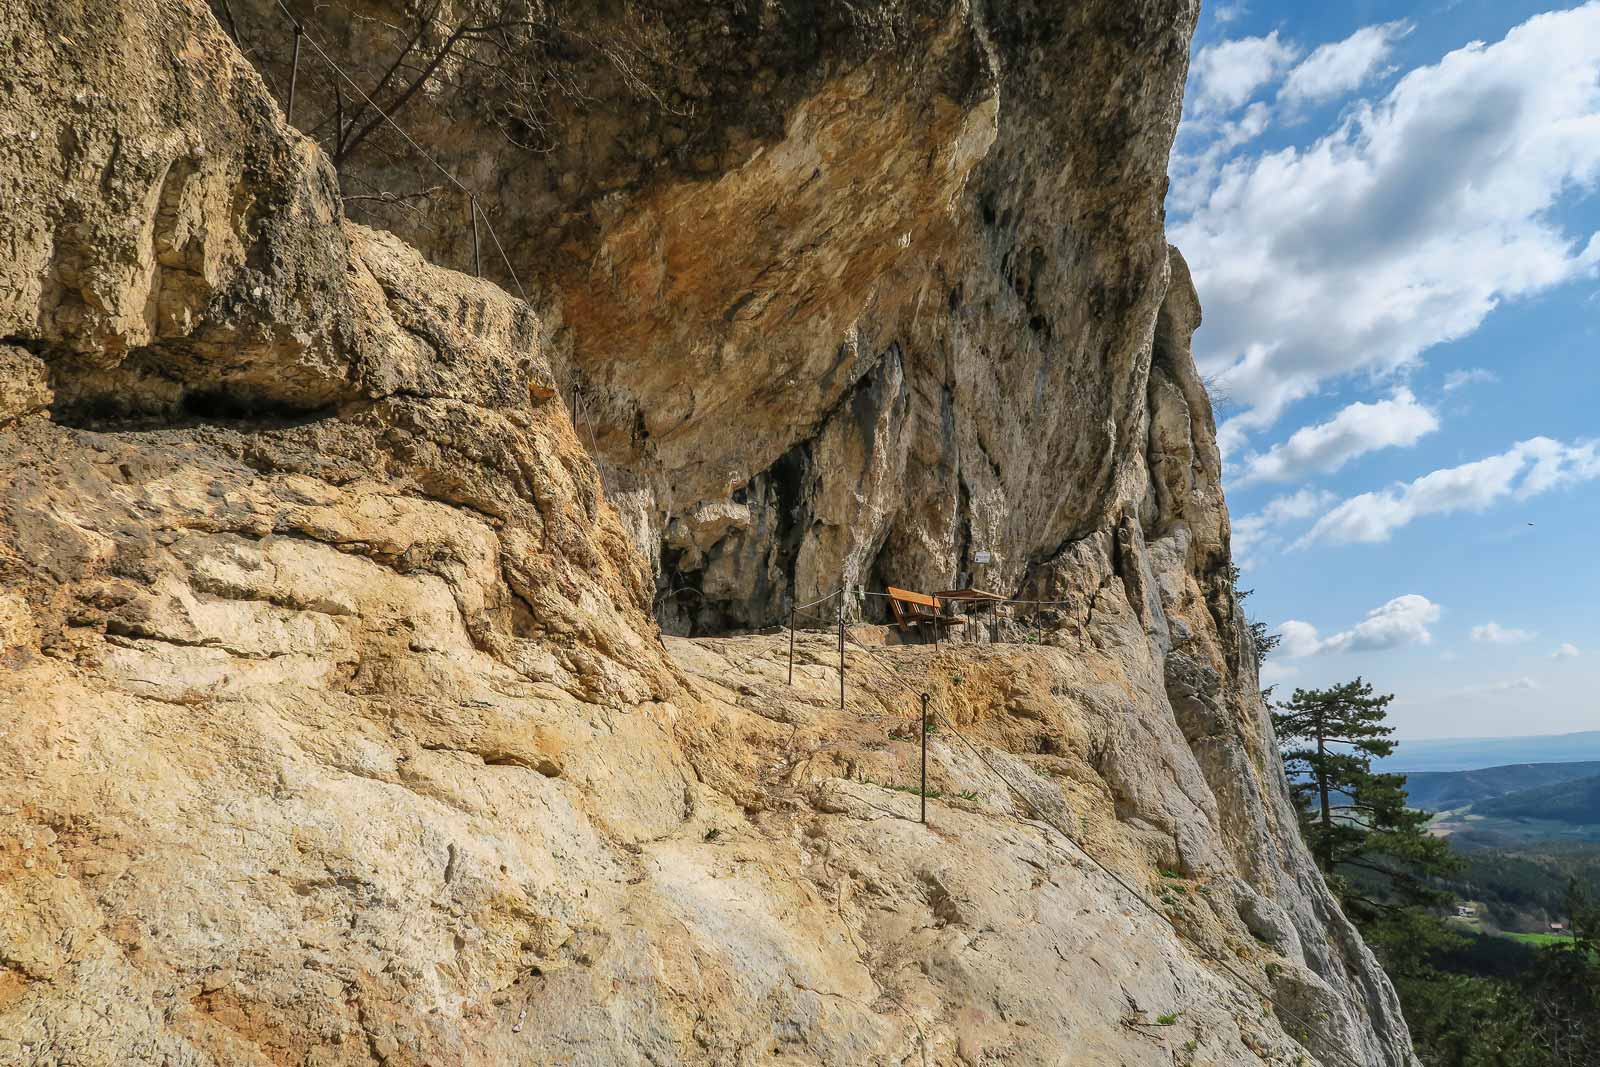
1479	753
1505	737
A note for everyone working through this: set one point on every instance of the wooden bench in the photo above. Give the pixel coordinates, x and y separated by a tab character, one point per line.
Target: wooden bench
914	610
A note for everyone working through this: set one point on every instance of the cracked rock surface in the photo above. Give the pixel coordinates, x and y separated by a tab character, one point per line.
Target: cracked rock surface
335	724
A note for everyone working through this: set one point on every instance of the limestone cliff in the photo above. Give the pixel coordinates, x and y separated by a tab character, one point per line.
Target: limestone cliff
335	724
851	292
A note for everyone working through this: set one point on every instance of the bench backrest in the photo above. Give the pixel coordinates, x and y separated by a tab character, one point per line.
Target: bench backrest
910	597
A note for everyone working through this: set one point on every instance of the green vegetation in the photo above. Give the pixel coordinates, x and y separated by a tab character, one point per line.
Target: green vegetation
1475	1006
1472	999
1168	1019
1523	888
1574	802
1541	939
1468	830
1495	1001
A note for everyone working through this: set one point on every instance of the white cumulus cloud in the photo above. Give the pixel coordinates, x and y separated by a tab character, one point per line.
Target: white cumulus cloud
1398	230
1567	650
1257	531
1224	76
1203	144
1492	633
1299	639
1338	68
1357	429
1527	469
1402	621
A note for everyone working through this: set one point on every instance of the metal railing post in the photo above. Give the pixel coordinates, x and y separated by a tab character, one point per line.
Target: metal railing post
841	653
294	72
477	258
791	640
924	759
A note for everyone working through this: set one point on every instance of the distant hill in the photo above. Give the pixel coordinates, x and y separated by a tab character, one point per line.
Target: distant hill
1573	802
1443	790
1472	753
1524	888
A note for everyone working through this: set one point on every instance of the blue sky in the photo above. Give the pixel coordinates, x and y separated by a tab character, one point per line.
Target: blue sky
1392	212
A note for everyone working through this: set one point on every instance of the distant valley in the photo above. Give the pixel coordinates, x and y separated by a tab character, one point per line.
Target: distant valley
1511	806
1523	830
1444	790
1504	792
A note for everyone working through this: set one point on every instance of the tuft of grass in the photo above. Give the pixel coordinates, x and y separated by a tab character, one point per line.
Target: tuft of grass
968	794
1168	1019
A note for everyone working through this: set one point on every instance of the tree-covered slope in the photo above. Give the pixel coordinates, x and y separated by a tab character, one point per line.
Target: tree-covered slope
1443	790
1577	802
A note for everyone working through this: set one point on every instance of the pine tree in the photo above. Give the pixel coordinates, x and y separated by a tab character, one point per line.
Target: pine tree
1355	820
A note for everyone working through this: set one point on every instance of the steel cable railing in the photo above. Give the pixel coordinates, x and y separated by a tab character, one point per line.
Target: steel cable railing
920	693
472	196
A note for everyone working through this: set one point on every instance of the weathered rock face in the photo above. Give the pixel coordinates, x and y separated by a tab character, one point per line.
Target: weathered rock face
334	724
879	295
